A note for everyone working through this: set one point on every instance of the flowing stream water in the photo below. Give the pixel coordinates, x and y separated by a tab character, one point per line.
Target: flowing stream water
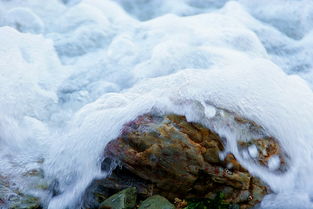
73	72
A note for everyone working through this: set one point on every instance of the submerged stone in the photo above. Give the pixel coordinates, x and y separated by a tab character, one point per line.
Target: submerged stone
156	202
26	202
125	199
12	198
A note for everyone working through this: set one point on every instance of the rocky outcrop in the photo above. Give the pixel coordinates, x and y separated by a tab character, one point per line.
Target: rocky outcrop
182	159
168	160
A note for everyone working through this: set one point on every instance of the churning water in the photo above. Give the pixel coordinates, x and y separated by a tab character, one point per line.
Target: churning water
73	72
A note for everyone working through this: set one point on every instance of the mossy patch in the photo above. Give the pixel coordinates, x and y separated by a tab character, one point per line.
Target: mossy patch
206	203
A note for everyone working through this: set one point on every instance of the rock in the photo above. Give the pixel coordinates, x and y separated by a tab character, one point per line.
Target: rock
156	202
24	202
180	203
13	196
125	199
118	180
267	149
15	199
182	159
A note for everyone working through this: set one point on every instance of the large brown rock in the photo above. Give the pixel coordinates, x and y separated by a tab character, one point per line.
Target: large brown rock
182	159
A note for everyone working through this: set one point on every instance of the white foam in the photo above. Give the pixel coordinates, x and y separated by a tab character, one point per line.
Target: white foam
24	20
95	67
253	151
26	71
273	163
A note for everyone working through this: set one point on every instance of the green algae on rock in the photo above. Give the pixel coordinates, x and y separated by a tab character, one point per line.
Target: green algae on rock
156	202
125	199
18	196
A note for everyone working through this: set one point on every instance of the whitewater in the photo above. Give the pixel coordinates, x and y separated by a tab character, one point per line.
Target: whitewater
73	72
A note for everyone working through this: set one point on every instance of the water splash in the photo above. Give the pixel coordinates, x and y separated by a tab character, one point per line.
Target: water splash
78	70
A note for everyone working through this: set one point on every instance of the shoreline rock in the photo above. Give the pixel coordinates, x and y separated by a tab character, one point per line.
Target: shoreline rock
181	159
170	160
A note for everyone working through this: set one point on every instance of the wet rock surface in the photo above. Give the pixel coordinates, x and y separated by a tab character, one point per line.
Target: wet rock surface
266	152
118	180
125	199
162	161
182	159
156	202
13	198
